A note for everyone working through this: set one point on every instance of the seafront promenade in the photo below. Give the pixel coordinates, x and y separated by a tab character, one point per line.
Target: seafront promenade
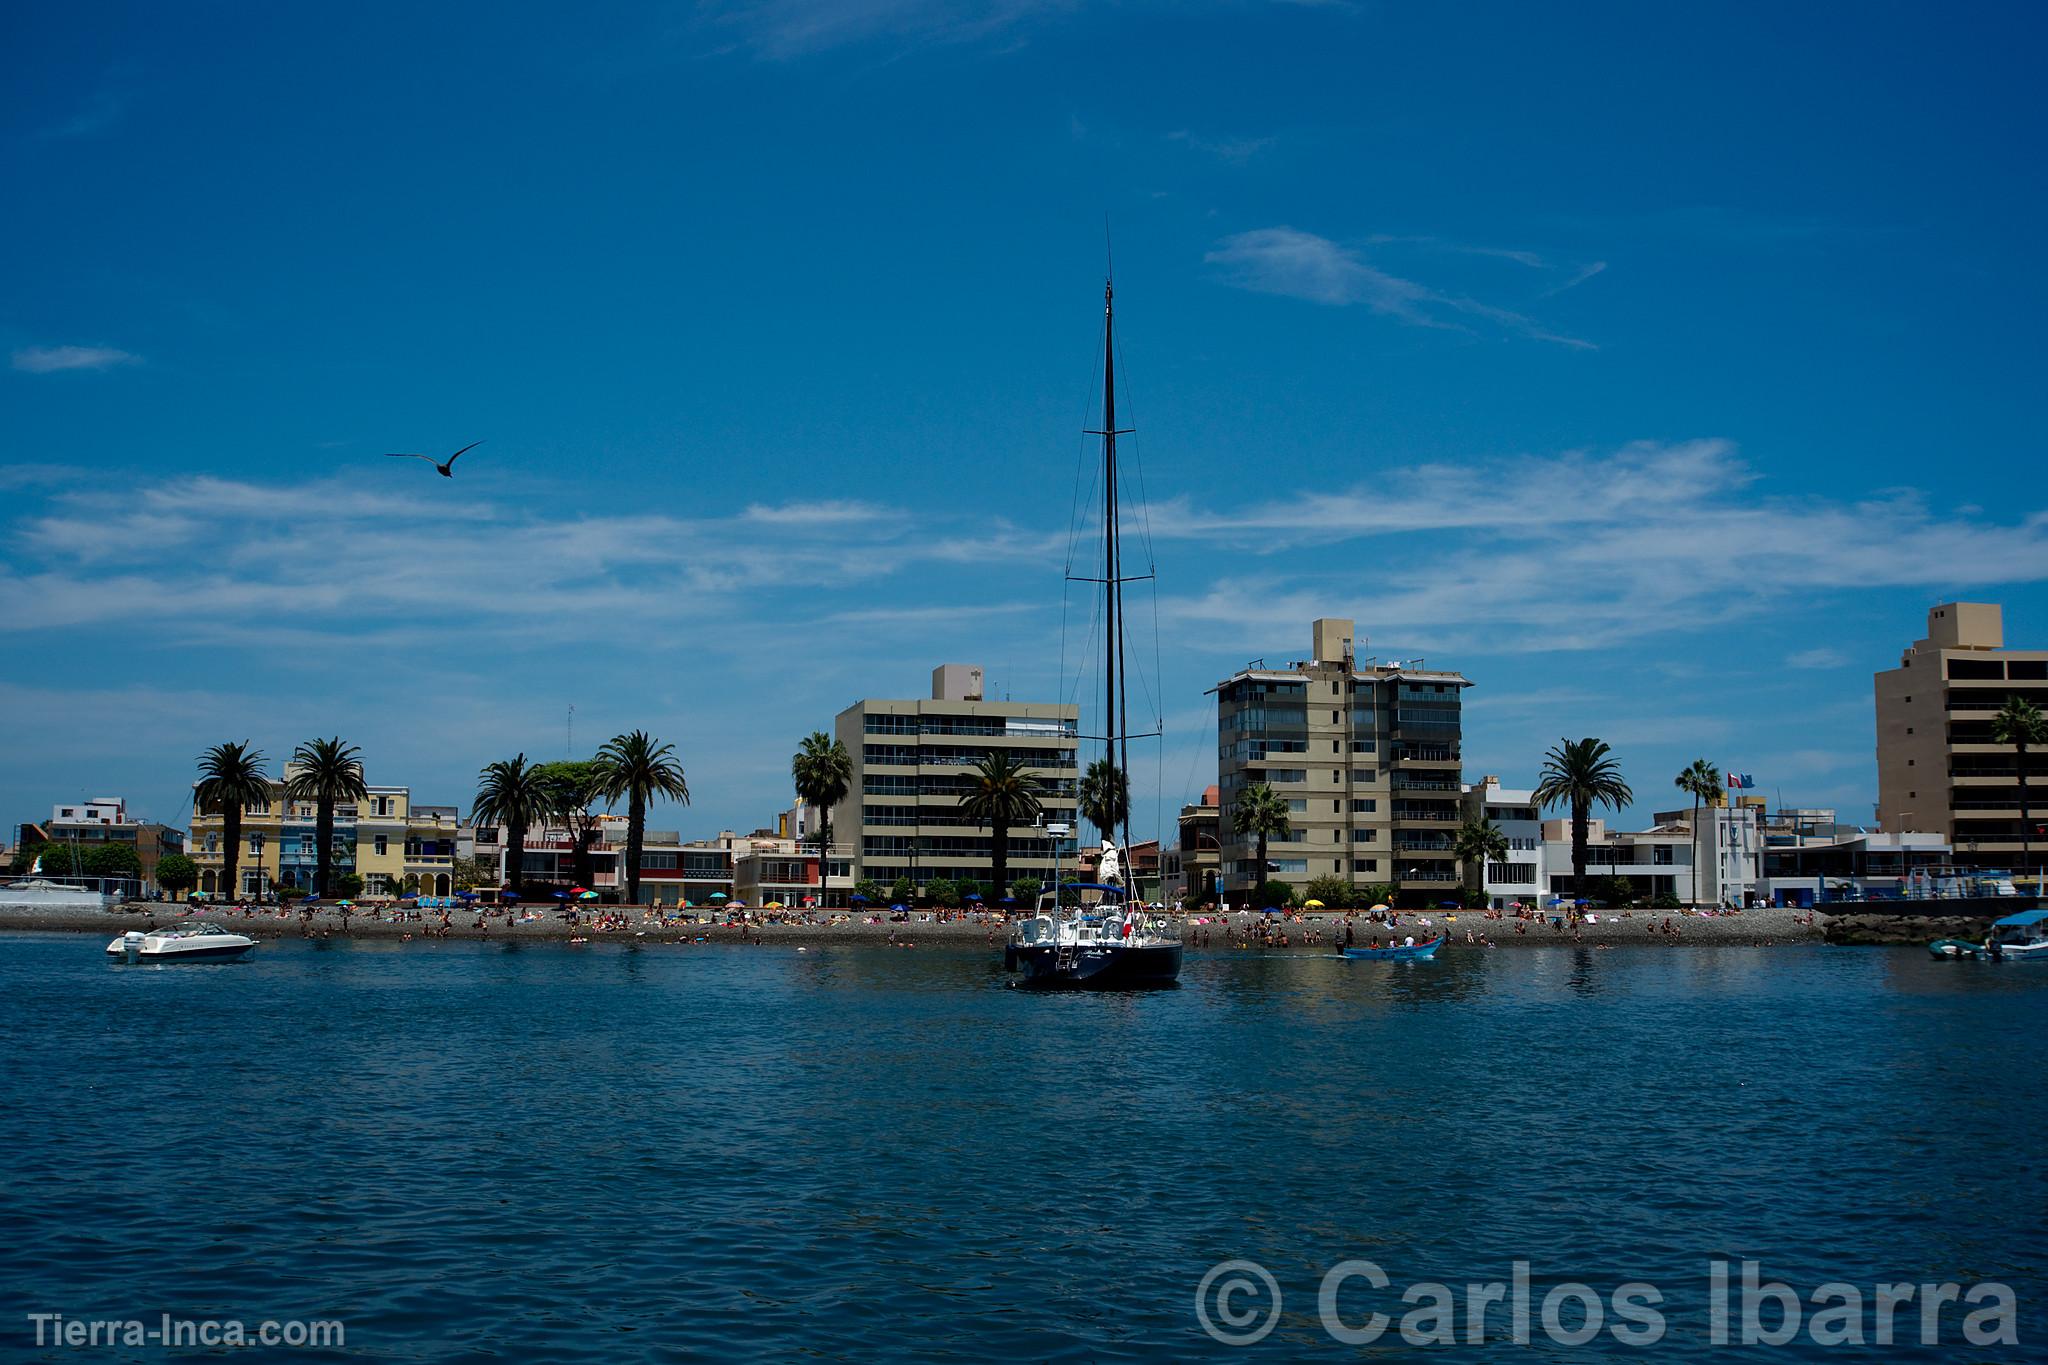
1235	932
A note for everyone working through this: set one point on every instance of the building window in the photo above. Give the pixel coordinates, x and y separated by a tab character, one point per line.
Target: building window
1365	805
256	844
1365	864
657	862
383	845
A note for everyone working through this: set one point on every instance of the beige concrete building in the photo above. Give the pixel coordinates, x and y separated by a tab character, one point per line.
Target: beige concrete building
1938	769
911	765
1367	756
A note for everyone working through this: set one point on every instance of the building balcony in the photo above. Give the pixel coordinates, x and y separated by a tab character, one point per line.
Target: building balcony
1423	876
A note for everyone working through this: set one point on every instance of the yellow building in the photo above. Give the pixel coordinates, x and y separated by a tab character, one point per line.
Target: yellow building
393	845
256	867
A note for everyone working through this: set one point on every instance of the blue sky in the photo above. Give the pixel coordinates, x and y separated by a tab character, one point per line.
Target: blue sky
1658	368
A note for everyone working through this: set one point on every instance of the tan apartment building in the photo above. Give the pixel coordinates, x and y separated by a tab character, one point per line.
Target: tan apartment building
1938	768
1366	755
912	762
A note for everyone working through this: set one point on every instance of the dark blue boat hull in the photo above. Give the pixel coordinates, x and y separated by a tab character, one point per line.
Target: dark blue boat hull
1104	968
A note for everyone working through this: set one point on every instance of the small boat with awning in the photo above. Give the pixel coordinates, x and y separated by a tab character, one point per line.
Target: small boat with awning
2019	938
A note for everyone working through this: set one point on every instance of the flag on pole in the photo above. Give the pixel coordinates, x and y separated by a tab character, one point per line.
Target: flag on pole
1740	781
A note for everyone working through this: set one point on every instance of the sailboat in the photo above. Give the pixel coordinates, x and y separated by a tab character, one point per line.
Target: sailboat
1097	935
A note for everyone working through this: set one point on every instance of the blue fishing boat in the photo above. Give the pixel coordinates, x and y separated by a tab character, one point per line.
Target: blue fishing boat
1955	948
1399	952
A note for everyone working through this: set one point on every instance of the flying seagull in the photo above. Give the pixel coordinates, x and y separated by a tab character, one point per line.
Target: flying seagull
446	467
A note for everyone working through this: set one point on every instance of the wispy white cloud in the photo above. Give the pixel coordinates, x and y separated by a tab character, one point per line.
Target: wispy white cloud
1296	264
1236	150
1582	552
51	359
1817	658
782	30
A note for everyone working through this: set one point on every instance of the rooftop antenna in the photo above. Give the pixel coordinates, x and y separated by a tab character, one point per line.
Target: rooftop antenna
569	733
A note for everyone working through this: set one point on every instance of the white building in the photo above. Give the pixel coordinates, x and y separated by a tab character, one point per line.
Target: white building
1522	877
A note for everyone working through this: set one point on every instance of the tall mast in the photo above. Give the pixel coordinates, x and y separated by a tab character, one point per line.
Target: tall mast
1116	688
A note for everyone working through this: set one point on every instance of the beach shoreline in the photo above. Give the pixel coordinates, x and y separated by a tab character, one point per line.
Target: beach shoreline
1762	927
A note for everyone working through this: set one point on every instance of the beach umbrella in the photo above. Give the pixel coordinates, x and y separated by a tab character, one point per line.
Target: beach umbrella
974	896
560	895
467	895
896	907
772	905
1377	908
718	895
1009	900
1311	905
587	896
578	890
857	896
736	905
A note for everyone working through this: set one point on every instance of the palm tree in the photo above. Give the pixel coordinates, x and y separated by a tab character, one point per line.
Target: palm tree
231	778
1478	843
325	772
1261	813
823	773
1582	774
1702	782
2020	723
640	768
1105	797
1001	794
513	795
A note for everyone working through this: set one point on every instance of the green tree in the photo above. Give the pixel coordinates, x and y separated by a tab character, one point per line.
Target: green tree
1333	891
823	773
177	873
1276	893
2020	723
870	890
1105	797
325	772
639	767
942	891
470	873
1260	814
231	779
512	795
1702	782
1001	794
1377	893
348	886
112	860
902	891
573	786
1479	842
1026	891
1582	774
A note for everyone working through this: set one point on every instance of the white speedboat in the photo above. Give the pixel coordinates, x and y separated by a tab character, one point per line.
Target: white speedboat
196	942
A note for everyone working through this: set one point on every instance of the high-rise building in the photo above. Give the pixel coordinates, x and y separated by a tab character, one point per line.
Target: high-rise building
1938	768
1365	753
912	762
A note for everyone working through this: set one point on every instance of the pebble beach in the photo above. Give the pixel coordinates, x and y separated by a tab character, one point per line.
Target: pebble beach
1213	933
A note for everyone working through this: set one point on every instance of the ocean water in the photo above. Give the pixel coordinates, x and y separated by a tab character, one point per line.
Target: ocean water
492	1152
